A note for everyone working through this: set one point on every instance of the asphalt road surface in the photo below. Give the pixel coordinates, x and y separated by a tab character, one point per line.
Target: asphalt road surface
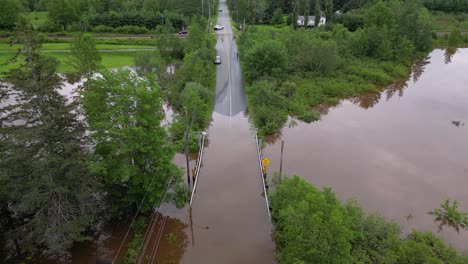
230	95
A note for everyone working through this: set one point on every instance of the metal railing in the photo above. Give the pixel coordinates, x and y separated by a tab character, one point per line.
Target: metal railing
260	157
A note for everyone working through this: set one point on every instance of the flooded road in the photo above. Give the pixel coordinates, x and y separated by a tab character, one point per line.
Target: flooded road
399	153
229	221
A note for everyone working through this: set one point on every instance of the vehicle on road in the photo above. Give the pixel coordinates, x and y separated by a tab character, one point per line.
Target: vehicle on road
217	60
218	27
183	32
220	10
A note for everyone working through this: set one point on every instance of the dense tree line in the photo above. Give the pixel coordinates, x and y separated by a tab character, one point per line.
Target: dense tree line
313	226
49	196
77	15
266	12
69	163
302	69
447	5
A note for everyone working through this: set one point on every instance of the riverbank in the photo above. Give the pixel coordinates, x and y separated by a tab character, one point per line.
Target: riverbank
292	72
399	153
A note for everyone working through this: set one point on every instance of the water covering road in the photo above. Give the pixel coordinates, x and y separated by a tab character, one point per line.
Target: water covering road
229	219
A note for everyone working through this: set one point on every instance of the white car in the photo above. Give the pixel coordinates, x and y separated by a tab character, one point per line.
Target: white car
217	60
218	27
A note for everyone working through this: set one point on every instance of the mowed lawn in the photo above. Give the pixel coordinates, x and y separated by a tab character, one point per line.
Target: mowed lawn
38	19
109	60
66	46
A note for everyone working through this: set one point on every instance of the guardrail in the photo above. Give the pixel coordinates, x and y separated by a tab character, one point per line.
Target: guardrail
199	161
260	157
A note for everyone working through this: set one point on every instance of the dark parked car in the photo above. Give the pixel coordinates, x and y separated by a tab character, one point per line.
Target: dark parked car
183	32
220	10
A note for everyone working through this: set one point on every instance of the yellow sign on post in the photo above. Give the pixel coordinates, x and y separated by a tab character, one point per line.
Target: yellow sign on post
265	163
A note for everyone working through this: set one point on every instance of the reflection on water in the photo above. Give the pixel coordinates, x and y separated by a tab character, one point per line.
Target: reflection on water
449	52
400	157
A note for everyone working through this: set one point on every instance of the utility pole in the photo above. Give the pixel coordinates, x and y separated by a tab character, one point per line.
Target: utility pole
281	160
186	148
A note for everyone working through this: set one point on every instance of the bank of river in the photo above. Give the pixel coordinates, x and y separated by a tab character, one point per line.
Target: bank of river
399	153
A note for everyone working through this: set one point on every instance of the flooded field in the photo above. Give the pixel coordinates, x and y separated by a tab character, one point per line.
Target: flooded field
399	153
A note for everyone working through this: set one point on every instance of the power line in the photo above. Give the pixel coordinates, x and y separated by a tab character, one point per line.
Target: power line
150	228
133	220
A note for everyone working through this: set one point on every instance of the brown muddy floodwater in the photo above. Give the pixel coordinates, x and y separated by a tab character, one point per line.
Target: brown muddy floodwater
399	153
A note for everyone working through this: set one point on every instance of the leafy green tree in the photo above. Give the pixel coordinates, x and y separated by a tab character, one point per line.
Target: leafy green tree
317	12
52	196
277	17
266	58
85	57
310	225
150	63
455	38
425	247
9	11
62	12
132	152
328	9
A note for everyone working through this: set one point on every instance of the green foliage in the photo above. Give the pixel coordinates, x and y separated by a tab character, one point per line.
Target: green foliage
62	12
277	17
132	152
450	215
447	5
313	226
150	63
9	11
134	246
52	196
264	100
455	38
310	225
84	56
321	67
266	58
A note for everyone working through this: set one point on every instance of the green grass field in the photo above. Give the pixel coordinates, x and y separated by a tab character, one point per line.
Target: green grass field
66	46
37	18
109	60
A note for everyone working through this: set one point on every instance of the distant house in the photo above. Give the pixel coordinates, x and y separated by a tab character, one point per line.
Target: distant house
310	21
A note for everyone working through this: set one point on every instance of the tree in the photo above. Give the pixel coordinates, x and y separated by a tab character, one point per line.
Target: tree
310	225
132	152
317	13
62	12
150	63
266	58
85	57
328	9
277	17
450	215
9	13
455	38
52	196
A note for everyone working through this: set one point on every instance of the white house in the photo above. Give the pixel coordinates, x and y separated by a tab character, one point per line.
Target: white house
310	21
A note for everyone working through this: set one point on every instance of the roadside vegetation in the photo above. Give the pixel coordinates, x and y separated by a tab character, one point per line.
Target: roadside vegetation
291	70
313	226
106	154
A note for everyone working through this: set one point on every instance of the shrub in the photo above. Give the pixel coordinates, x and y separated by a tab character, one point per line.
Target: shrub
131	30
103	29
